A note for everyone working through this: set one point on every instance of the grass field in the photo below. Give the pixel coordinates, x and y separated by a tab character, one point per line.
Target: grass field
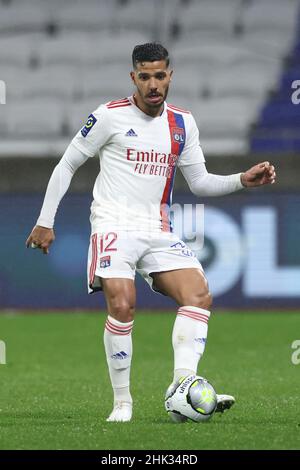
55	391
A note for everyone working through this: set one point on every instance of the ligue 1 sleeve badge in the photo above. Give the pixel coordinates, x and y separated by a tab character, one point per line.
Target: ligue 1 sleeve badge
88	126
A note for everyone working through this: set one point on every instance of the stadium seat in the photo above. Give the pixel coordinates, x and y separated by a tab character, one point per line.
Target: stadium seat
21	17
215	54
136	15
277	130
210	15
117	48
242	79
271	42
190	81
35	119
112	81
225	116
11	74
279	143
68	57
66	49
3	121
289	76
282	115
88	49
17	51
276	15
57	82
83	17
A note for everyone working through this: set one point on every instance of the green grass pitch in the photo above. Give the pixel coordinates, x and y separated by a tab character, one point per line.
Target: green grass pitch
55	391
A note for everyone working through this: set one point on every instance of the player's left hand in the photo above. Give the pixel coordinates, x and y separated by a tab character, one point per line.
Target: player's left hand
262	173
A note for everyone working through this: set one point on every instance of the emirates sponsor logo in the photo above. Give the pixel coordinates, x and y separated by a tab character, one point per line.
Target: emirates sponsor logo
151	156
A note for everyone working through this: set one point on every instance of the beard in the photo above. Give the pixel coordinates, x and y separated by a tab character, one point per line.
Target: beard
154	105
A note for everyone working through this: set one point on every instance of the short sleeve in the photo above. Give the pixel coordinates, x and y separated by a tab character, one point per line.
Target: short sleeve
192	151
95	133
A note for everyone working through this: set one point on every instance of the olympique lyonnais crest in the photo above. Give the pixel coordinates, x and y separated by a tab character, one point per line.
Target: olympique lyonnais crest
105	262
178	135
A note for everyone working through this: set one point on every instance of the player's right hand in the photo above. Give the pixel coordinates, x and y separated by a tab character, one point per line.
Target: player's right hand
41	237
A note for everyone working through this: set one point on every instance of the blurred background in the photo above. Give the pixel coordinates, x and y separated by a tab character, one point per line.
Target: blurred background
236	67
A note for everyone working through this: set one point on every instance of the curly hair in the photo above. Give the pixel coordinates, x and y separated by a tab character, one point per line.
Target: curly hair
149	52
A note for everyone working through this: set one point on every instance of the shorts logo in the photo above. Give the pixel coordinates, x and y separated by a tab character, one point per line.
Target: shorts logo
178	135
200	340
105	262
185	250
89	124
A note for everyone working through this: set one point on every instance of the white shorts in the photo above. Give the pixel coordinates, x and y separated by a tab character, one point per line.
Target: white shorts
120	254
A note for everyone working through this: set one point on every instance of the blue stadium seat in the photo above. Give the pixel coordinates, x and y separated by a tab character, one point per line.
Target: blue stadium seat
277	129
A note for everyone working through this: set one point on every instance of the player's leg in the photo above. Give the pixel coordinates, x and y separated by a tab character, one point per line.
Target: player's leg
120	299
189	288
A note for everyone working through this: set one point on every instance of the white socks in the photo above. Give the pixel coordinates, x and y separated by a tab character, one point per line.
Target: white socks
118	348
188	339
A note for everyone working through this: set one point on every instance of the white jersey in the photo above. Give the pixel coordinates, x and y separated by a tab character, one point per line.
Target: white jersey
138	159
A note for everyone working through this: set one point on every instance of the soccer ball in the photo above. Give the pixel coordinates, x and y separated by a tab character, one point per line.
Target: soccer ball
193	397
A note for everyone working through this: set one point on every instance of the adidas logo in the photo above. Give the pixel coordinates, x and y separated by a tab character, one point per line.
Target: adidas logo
131	133
120	355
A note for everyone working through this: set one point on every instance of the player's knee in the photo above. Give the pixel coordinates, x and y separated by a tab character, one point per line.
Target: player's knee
207	301
200	299
122	310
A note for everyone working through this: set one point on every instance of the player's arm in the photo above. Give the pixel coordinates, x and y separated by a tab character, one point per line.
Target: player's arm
84	145
202	183
42	234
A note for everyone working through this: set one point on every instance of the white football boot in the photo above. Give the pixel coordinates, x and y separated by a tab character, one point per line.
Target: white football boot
122	412
224	402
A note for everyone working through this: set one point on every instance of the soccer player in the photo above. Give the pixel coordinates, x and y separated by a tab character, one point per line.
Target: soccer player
140	141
